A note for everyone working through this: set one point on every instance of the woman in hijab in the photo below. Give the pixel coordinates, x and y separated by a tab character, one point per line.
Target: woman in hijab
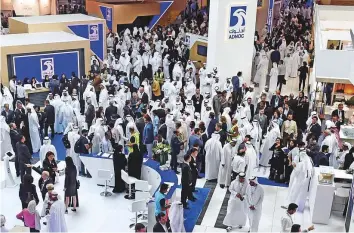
119	164
135	161
30	217
277	161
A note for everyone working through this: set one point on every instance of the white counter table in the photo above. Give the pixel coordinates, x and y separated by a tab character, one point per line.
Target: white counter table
321	195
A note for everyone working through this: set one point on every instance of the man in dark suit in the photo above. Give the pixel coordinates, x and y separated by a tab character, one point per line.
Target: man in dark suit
110	111
8	114
249	102
163	224
20	113
193	165
90	113
339	113
276	101
144	97
287	111
49	118
262	104
24	157
186	182
15	137
175	149
314	129
95	68
197	100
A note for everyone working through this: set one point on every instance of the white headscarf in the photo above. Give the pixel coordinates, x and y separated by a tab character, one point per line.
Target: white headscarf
32	210
176	217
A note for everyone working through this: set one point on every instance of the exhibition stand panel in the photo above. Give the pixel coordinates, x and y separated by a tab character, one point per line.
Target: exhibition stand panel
120	13
85	26
30	55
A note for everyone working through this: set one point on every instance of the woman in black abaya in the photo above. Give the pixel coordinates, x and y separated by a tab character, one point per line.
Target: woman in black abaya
135	161
119	163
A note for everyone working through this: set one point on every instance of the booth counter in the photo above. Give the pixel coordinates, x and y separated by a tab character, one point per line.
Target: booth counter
322	196
37	96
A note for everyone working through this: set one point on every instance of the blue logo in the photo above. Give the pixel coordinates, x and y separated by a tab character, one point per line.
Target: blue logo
109	14
47	67
237	23
93	32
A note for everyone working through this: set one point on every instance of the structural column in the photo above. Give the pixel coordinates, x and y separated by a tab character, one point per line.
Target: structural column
231	37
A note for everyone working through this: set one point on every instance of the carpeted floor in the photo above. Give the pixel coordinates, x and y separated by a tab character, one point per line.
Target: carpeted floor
195	209
265	181
211	186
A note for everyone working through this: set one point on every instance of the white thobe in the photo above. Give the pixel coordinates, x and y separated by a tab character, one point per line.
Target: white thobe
236	209
254	196
66	115
103	99
213	154
56	218
34	131
73	136
225	169
273	79
286	223
251	160
295	63
270	138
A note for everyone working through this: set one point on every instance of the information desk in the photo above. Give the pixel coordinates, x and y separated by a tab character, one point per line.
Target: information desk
37	96
321	195
150	172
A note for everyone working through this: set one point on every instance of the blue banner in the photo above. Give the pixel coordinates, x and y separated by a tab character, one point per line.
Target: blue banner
107	13
93	32
270	15
163	9
39	65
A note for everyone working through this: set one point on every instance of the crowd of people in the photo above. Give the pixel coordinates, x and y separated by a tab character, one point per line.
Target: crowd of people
148	98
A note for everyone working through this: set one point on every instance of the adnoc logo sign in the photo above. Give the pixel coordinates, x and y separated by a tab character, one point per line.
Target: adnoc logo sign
237	22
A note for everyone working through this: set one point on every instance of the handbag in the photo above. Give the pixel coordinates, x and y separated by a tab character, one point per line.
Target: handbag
77	184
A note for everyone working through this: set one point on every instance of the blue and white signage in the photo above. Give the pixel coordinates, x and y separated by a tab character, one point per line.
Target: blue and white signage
93	32
107	14
270	15
237	22
40	65
47	67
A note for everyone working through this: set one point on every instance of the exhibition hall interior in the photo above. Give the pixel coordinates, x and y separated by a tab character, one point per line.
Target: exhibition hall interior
177	116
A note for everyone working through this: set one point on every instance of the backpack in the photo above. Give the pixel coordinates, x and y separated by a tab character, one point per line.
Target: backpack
77	147
66	141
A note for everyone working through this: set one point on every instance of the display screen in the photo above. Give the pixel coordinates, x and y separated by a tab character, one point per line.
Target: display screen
202	50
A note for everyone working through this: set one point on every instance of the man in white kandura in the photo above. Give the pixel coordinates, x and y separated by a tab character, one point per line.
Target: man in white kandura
33	124
287	220
225	170
73	137
56	218
237	208
213	154
47	146
301	175
254	197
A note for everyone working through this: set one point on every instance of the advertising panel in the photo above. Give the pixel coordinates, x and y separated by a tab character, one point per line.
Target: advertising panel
40	65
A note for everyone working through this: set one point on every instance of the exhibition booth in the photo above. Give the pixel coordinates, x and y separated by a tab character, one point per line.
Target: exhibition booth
334	56
85	26
44	53
116	13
